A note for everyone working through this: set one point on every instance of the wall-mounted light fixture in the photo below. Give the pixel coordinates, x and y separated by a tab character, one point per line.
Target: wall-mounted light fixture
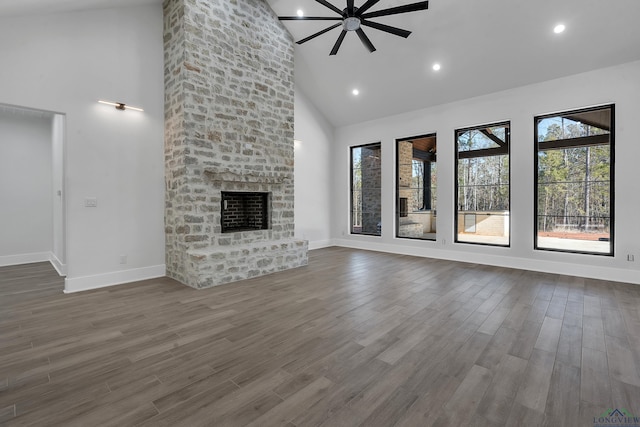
120	105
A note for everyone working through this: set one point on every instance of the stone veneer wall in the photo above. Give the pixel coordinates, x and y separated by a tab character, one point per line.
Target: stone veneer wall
228	127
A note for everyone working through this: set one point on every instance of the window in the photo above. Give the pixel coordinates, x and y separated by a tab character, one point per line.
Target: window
416	187
574	181
482	184
365	190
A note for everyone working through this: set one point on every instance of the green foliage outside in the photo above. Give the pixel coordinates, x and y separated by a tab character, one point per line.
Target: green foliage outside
573	183
483	182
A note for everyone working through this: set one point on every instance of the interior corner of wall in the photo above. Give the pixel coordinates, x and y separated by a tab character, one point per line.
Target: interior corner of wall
59	266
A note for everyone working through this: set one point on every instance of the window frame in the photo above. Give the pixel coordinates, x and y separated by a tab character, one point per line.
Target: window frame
351	169
424	189
612	174
456	132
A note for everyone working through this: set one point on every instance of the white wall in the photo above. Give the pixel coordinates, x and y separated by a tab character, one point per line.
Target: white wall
58	258
619	85
65	63
26	226
314	136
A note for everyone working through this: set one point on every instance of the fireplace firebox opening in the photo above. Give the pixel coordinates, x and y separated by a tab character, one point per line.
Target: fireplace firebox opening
244	211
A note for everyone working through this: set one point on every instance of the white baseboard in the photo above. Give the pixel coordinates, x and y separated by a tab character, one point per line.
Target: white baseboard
85	283
7	260
319	244
57	264
543	266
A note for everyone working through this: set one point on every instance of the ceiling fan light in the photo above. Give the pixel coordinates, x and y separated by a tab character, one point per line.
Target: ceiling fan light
351	24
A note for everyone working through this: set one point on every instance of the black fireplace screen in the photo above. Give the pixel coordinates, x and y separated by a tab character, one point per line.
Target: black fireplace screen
243	211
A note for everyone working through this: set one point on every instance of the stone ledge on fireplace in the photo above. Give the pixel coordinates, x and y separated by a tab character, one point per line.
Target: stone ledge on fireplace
248	177
219	265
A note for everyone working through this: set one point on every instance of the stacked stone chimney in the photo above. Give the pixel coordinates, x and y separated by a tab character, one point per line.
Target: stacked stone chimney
229	94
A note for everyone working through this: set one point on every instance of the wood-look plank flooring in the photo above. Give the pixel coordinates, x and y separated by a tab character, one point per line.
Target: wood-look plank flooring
355	338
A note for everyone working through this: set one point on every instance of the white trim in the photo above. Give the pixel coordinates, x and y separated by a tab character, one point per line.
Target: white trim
57	264
319	244
85	283
7	260
543	266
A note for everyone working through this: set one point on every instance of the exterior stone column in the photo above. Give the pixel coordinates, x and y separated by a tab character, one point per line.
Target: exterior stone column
371	190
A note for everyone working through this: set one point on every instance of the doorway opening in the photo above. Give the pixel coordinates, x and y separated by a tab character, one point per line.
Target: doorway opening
32	187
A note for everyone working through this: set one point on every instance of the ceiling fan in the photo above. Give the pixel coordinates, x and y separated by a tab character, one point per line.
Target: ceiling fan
353	18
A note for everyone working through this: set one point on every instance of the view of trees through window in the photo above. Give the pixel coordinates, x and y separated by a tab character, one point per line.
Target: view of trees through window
365	190
574	172
416	187
482	184
574	181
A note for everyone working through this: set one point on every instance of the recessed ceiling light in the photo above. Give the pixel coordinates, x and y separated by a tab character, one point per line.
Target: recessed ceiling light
356	92
436	67
559	28
300	12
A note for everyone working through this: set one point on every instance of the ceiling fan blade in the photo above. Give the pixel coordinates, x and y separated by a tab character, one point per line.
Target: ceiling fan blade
330	6
319	33
365	40
422	5
366	6
350	7
386	28
338	43
308	18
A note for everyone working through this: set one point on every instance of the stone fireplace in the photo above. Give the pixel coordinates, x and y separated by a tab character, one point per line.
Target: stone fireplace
228	142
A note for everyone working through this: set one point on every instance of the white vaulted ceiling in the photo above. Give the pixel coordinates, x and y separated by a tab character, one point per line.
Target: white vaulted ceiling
27	7
483	46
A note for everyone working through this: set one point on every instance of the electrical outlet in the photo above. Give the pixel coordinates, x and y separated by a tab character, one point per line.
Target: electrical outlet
123	259
90	202
630	257
444	242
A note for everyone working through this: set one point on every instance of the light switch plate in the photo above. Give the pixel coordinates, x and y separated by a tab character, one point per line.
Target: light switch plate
90	202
